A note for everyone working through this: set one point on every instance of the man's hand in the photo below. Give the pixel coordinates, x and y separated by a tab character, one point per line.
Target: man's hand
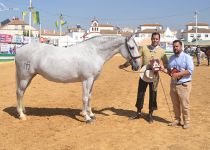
176	75
162	68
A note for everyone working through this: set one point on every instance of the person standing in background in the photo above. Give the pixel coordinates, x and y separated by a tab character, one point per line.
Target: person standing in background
198	55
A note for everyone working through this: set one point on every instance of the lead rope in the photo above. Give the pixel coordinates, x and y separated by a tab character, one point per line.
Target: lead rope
131	71
166	99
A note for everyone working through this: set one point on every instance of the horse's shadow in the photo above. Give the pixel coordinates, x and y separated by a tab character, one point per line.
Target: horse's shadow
130	113
32	111
74	113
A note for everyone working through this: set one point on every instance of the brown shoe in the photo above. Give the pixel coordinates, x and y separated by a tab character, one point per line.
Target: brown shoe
174	124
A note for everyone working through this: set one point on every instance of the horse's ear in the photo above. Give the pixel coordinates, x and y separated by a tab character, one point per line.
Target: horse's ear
128	38
133	35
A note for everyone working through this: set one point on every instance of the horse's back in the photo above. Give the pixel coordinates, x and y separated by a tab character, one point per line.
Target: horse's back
26	51
58	64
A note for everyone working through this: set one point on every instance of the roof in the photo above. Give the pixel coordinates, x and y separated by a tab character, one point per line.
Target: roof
108	31
155	24
150	31
198	24
199	30
51	33
105	25
75	29
17	21
126	34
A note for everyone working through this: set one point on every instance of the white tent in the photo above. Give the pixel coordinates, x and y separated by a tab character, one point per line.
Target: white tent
168	36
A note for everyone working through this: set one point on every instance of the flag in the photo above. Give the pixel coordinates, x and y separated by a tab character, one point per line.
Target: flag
58	22
24	13
63	22
35	15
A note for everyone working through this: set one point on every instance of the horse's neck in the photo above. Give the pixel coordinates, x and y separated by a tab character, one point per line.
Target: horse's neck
110	47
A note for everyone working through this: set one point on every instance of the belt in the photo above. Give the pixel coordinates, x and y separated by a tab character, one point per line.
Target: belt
183	82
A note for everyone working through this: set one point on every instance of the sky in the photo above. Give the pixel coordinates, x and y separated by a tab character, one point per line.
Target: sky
121	13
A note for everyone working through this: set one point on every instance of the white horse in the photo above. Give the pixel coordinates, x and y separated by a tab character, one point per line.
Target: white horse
79	63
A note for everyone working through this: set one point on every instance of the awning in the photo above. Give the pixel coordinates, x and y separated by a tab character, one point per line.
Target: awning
202	43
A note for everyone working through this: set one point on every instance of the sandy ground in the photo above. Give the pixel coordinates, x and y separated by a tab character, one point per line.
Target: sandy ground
55	123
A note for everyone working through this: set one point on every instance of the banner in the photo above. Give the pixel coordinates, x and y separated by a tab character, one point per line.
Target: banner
35	15
5	38
24	13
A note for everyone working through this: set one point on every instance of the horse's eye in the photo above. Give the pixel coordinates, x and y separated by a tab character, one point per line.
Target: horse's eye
131	48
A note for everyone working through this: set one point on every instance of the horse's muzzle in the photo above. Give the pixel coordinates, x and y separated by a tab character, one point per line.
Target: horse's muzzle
135	66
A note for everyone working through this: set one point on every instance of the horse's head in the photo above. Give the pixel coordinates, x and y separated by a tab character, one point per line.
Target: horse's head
131	53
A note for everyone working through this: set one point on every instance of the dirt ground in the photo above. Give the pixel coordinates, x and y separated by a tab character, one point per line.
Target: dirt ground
54	120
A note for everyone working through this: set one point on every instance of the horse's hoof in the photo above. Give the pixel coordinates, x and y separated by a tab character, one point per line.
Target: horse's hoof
89	121
93	117
22	117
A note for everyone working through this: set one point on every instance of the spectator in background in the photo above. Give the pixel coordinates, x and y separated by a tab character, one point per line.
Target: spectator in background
198	55
208	54
10	50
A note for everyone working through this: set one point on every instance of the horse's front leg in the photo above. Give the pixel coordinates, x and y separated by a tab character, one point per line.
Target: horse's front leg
87	85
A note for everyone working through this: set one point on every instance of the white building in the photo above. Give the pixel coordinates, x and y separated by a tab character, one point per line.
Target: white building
127	29
72	37
16	27
12	34
189	34
144	32
76	34
100	29
54	38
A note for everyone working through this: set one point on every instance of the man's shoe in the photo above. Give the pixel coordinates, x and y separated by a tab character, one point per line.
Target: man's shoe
174	124
137	116
150	118
186	126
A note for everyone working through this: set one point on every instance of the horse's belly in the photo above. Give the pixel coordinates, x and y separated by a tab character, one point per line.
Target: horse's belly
63	77
64	70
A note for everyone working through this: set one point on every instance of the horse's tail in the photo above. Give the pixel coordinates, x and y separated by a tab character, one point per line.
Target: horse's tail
16	75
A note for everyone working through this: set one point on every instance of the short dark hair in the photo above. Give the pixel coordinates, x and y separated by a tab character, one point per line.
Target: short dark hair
177	41
155	33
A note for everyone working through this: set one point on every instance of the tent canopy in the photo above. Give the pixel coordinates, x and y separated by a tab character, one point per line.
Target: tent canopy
202	43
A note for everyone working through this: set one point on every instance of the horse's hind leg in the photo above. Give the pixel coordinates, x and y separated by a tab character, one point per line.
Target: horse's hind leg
91	114
22	84
87	85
